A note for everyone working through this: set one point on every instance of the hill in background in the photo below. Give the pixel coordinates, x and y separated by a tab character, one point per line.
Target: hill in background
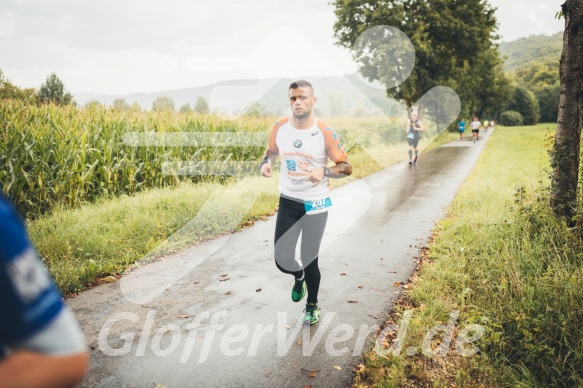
539	48
337	96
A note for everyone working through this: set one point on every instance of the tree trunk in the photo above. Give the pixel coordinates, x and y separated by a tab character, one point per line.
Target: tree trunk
565	160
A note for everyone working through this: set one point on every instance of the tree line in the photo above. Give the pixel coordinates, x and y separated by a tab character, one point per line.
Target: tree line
53	91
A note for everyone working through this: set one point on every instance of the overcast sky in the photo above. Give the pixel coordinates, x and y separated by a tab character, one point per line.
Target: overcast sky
125	46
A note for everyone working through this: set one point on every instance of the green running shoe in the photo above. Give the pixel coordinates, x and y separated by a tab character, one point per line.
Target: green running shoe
312	314
299	290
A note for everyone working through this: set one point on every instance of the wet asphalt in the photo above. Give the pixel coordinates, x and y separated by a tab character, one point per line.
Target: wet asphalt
220	314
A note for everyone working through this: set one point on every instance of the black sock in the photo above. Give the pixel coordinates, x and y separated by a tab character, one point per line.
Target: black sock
312	272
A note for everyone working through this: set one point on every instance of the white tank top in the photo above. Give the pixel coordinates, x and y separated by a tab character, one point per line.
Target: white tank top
302	150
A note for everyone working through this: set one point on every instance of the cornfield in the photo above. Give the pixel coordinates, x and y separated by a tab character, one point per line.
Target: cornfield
61	155
53	155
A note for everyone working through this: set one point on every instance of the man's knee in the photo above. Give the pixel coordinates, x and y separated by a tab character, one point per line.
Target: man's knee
282	259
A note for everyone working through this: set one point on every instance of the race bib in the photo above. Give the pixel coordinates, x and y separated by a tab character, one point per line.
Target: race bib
317	206
411	135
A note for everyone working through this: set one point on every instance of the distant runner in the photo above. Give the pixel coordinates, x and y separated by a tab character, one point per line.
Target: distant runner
476	124
414	127
486	125
305	144
461	126
492	124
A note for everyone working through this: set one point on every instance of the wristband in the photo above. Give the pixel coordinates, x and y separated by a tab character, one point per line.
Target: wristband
265	160
326	172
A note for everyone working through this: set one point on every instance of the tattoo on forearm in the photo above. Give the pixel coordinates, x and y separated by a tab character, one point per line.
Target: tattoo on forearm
341	170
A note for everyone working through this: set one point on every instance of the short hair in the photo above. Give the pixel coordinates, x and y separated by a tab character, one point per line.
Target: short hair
301	83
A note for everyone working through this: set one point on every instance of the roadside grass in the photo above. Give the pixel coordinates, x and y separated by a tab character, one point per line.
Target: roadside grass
106	237
503	262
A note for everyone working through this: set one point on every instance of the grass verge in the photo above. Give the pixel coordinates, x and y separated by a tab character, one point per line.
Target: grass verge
507	267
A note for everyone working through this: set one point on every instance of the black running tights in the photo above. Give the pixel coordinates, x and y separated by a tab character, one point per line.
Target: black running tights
291	220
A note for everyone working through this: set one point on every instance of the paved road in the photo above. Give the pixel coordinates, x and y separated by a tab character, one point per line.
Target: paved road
179	323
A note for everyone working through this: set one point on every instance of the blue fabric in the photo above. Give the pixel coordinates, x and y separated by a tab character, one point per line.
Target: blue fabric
29	299
462	126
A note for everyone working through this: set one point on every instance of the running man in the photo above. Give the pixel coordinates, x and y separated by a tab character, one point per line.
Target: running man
414	127
461	126
476	124
486	125
305	143
41	344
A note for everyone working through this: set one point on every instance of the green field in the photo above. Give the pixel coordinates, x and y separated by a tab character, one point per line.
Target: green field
505	264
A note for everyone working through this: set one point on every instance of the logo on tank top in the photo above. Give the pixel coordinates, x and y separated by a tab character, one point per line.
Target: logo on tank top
314	133
291	165
298	143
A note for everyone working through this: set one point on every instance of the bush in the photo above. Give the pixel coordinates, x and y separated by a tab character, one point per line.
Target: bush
511	118
525	102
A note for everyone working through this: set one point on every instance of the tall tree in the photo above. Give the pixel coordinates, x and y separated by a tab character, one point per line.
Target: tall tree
10	91
449	37
135	107
483	88
542	78
524	101
120	104
565	161
185	108
256	110
93	105
53	90
201	105
163	103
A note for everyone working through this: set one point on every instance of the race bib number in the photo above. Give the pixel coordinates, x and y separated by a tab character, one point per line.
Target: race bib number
411	135
317	206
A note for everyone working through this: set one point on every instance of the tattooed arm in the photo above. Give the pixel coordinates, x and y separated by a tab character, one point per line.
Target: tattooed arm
341	170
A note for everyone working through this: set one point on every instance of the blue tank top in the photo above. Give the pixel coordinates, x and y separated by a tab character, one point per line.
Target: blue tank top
29	299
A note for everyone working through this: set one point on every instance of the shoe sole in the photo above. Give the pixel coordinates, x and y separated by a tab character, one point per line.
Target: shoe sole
299	300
